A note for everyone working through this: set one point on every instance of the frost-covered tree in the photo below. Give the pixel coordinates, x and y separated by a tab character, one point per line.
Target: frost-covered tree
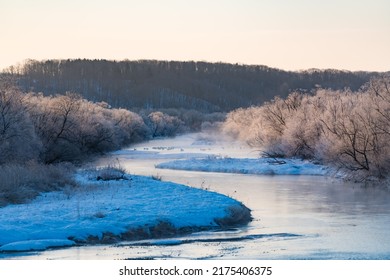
55	120
129	127
348	130
303	128
263	127
17	137
71	127
161	124
356	134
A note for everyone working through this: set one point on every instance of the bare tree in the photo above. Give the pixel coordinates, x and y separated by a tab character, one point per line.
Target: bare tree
348	130
17	138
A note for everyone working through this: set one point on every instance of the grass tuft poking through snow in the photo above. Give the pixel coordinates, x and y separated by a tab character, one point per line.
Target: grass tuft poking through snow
109	173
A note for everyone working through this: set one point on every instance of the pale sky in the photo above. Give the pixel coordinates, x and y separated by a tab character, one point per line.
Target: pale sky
286	34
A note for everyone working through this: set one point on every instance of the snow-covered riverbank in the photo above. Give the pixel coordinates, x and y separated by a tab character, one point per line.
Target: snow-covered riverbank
111	211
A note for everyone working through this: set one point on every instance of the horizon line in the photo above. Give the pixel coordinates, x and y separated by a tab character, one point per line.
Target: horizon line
25	61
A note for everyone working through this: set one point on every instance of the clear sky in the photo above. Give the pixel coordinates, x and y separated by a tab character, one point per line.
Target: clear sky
287	34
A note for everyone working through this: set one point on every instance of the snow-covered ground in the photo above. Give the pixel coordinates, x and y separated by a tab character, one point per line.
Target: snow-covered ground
259	166
99	207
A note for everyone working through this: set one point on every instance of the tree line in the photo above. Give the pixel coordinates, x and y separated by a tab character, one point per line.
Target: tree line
43	137
57	128
151	84
345	129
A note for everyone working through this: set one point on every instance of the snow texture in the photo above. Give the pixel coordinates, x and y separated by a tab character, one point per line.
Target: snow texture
97	207
36	245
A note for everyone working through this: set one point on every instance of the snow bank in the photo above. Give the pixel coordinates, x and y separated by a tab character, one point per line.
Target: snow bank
107	211
35	245
260	166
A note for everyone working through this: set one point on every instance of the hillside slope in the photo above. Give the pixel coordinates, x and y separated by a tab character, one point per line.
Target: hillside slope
202	86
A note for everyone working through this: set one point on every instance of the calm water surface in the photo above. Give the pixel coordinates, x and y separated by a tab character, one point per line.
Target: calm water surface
295	217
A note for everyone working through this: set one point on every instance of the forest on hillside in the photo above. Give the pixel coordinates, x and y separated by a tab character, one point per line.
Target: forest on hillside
200	86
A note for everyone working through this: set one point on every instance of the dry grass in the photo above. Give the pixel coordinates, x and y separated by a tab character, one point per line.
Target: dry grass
20	183
107	173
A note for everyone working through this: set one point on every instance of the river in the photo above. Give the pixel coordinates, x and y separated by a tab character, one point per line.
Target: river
294	217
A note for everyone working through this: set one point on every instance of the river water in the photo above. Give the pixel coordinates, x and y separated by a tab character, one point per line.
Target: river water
294	217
